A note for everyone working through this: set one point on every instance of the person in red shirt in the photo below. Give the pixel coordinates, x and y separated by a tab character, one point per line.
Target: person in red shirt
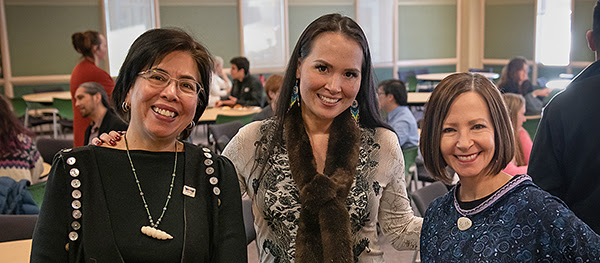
92	47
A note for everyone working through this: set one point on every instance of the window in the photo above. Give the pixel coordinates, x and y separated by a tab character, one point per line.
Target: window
125	21
264	34
376	19
553	32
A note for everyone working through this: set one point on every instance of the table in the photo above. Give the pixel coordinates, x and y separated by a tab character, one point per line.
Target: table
15	251
210	114
440	76
418	98
46	99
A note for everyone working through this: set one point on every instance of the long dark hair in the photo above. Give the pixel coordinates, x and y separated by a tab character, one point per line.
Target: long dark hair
509	75
367	94
10	128
149	49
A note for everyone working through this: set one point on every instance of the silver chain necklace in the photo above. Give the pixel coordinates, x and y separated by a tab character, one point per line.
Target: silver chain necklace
152	230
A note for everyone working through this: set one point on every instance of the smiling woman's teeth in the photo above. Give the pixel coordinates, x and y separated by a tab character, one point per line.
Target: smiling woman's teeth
164	112
328	100
467	158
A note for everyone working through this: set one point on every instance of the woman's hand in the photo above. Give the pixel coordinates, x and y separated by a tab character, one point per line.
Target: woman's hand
111	138
541	92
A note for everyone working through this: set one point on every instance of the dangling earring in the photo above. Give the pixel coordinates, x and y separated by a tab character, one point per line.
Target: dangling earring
354	110
295	95
191	125
125	107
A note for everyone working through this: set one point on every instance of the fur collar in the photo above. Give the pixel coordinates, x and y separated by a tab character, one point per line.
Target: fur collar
324	233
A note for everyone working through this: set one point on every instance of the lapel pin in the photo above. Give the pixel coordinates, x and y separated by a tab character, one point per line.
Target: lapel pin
189	191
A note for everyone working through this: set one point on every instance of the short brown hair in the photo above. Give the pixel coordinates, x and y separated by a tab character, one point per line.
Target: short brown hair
443	96
273	84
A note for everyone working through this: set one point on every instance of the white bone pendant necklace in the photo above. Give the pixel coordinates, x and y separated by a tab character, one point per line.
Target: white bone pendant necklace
152	230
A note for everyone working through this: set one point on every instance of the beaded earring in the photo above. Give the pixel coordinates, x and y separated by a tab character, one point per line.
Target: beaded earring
354	110
295	94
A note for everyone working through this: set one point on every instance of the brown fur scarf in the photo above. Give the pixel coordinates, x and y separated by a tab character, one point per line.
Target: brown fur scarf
324	233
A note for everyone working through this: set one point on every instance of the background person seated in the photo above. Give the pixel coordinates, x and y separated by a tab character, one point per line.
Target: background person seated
515	104
220	85
393	100
19	157
92	102
515	79
247	90
272	88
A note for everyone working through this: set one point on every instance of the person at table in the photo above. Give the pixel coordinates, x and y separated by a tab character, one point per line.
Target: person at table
515	79
392	98
220	85
148	197
272	88
515	104
19	157
565	159
92	47
489	215
326	170
247	90
92	101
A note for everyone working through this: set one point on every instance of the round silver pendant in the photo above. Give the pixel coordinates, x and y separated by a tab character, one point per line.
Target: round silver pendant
464	223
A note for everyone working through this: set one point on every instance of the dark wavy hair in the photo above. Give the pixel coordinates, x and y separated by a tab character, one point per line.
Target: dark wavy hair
10	128
148	50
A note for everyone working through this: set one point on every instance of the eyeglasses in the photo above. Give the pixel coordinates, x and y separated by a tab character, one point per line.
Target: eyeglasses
161	79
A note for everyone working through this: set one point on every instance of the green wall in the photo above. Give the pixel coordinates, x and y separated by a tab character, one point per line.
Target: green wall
509	30
427	31
40	37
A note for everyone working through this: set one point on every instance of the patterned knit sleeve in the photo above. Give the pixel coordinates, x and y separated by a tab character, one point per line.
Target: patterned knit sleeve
240	150
396	217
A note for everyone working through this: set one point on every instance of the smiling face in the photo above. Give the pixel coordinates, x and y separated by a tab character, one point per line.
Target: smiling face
163	113
330	76
467	142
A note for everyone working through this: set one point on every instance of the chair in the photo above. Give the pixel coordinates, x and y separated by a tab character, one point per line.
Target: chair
222	133
422	197
65	111
530	125
21	110
37	192
48	147
17	227
248	220
411	83
402	75
245	119
410	169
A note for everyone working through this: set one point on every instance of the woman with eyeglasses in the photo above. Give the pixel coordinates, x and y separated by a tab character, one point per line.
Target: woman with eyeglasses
148	197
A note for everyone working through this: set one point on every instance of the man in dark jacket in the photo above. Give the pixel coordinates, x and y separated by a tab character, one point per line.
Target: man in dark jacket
565	159
92	102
